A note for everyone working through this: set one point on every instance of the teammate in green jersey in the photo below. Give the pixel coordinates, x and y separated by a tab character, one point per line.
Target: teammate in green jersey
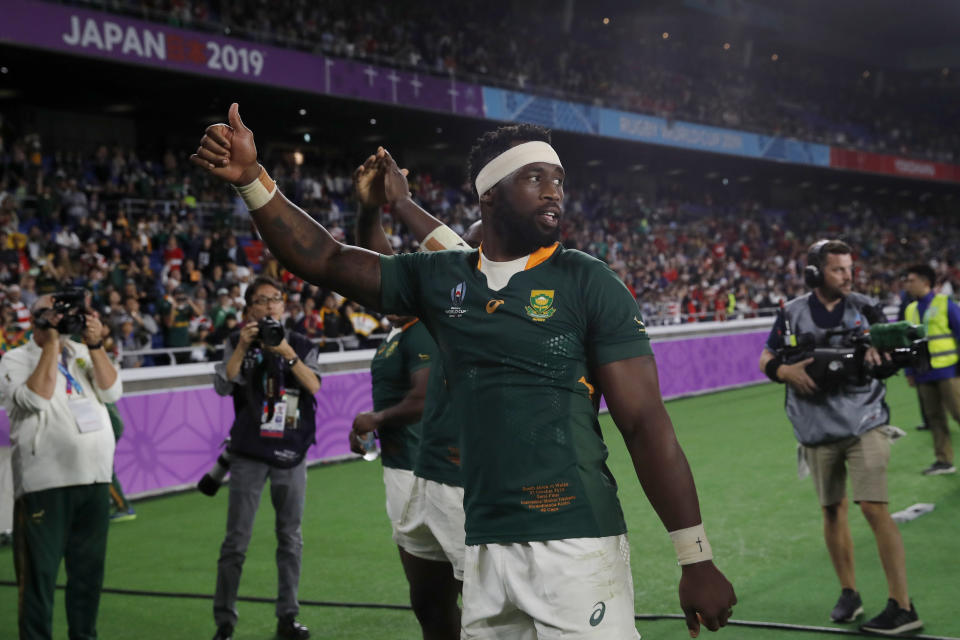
431	534
400	372
520	324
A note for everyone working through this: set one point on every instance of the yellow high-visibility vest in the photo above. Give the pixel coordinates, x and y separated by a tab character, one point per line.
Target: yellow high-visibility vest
943	346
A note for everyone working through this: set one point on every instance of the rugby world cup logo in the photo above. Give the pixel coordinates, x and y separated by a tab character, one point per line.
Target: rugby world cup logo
457	293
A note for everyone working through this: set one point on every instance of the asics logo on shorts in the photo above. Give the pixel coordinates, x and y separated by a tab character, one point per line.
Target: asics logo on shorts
597	617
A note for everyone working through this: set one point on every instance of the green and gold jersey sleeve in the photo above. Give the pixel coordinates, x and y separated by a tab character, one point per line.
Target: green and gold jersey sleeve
615	328
391	375
439	456
400	278
420	351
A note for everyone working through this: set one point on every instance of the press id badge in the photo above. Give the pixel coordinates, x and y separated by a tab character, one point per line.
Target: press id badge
273	426
291	402
85	412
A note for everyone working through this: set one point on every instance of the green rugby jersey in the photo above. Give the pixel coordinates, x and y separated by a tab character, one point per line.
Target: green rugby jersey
439	456
517	363
396	359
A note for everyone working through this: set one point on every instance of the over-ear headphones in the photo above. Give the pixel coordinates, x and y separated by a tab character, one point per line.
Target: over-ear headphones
812	273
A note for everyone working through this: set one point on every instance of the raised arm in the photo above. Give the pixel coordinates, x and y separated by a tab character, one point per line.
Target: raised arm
368	186
397	192
380	181
302	245
661	466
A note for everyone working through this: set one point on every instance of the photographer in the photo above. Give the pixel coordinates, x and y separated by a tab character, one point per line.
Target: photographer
54	390
838	431
177	311
939	386
272	379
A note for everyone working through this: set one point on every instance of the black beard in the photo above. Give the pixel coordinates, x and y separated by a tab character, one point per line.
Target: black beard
830	294
520	236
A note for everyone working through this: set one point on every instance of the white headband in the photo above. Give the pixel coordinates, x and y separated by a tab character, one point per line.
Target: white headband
511	160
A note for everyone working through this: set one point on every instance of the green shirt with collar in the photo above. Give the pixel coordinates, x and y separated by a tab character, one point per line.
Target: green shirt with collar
518	365
397	358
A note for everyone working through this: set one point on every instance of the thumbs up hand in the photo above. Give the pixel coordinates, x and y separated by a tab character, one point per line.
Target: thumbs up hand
227	150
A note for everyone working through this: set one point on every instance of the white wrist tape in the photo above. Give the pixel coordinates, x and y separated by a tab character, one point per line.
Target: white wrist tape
691	545
258	193
443	238
511	160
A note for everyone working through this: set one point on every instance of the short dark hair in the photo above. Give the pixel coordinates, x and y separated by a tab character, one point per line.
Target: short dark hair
925	271
817	256
258	282
493	143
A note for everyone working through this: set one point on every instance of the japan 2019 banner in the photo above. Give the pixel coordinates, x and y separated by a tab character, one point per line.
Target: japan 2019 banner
69	30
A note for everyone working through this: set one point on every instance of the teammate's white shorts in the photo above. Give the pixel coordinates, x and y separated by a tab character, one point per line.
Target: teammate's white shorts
578	588
427	517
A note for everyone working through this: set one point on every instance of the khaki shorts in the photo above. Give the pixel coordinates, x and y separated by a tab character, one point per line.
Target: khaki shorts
864	457
578	588
427	517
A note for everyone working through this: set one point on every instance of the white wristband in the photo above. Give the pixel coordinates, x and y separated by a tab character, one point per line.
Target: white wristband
258	193
442	238
691	545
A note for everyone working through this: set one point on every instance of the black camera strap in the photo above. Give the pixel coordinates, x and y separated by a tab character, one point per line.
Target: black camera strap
273	382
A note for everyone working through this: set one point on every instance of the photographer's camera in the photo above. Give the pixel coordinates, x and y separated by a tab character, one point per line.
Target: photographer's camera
71	306
212	480
270	331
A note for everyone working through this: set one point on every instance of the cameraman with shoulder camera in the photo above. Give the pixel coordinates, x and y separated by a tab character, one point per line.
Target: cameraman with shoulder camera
938	386
54	390
838	430
272	379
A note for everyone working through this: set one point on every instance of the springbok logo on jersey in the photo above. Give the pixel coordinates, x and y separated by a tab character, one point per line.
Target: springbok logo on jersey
457	294
541	305
642	328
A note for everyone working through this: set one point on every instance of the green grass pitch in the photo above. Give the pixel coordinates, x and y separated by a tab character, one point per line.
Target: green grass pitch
763	522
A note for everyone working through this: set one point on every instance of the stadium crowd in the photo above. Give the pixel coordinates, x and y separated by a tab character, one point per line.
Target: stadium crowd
167	256
679	72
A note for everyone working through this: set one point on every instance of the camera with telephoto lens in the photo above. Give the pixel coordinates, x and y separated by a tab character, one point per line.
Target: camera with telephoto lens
71	306
210	483
271	332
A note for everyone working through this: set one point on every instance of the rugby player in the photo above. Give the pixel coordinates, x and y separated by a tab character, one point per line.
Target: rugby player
400	371
520	324
431	532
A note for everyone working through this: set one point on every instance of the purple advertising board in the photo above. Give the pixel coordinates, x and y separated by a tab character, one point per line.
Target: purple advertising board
171	438
82	32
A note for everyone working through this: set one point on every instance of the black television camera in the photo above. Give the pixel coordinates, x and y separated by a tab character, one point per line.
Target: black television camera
270	332
900	344
71	306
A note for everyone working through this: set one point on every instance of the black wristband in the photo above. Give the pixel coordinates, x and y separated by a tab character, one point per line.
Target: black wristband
771	369
99	345
292	362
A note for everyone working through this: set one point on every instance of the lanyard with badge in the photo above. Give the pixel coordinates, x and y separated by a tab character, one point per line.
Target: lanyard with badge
281	406
84	410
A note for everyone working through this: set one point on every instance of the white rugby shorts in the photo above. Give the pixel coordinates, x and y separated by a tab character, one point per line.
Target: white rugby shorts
577	588
427	517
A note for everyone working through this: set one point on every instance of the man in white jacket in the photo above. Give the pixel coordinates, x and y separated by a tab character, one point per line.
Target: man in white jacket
54	390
